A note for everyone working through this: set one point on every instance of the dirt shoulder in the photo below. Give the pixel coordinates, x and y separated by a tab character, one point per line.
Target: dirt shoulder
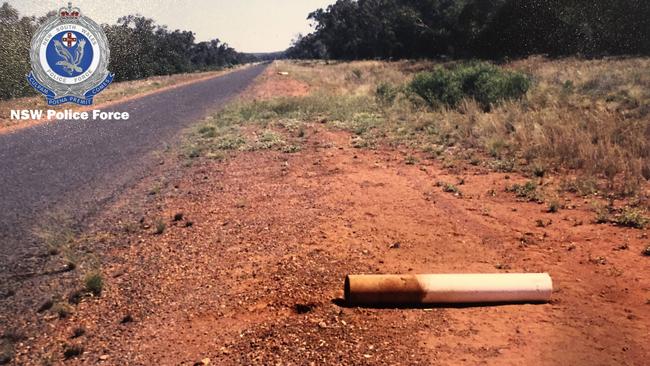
248	264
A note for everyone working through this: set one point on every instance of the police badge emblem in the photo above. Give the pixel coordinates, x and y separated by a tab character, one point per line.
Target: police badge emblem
69	57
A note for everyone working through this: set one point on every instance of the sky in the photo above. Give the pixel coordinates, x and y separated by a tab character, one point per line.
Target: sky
246	25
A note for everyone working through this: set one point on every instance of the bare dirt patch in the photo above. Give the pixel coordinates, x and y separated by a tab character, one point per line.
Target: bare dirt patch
275	83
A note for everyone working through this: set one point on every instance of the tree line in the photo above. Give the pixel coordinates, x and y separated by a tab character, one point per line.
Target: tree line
139	48
490	29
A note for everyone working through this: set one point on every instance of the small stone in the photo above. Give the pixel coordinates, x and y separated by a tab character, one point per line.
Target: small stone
322	325
103	357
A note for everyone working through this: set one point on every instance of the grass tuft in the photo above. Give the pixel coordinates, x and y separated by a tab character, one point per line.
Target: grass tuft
631	217
94	283
528	191
160	226
71	351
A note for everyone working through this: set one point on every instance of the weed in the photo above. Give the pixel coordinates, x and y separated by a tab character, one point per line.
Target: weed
290	149
57	235
71	351
539	171
554	206
160	226
75	296
602	214
155	189
631	217
94	283
192	153
583	186
62	309
359	142
527	191
449	188
130	227
72	258
568	87
268	139
410	160
207	131
229	142
386	93
78	332
503	166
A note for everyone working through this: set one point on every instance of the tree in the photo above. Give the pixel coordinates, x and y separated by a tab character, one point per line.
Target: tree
388	29
16	34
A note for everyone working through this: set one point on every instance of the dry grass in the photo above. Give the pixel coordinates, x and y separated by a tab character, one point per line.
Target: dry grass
585	118
584	122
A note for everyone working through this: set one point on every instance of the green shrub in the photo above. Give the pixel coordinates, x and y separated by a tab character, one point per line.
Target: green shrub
438	87
386	93
486	83
631	217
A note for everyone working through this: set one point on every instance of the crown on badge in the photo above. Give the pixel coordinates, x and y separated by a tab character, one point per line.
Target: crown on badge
69	12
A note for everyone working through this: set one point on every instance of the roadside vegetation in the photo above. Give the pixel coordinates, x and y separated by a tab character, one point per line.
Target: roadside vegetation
583	121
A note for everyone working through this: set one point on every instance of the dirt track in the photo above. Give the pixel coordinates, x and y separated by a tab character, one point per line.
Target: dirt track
256	276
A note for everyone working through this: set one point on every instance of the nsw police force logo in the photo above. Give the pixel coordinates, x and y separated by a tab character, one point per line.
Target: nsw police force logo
69	56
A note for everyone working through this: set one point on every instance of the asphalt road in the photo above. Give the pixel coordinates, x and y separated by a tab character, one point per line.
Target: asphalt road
81	164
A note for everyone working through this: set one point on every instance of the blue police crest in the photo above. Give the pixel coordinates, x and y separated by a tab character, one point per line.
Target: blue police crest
69	57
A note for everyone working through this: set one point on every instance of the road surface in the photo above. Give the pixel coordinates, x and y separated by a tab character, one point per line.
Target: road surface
80	164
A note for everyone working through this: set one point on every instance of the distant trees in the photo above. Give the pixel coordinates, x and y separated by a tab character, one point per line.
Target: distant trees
139	48
364	29
15	33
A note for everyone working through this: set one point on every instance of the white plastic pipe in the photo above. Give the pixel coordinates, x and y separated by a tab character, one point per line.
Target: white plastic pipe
448	288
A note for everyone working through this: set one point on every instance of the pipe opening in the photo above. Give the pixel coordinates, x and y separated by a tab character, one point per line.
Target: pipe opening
346	290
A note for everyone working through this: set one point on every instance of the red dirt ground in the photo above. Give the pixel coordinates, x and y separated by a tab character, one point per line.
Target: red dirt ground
256	277
271	84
